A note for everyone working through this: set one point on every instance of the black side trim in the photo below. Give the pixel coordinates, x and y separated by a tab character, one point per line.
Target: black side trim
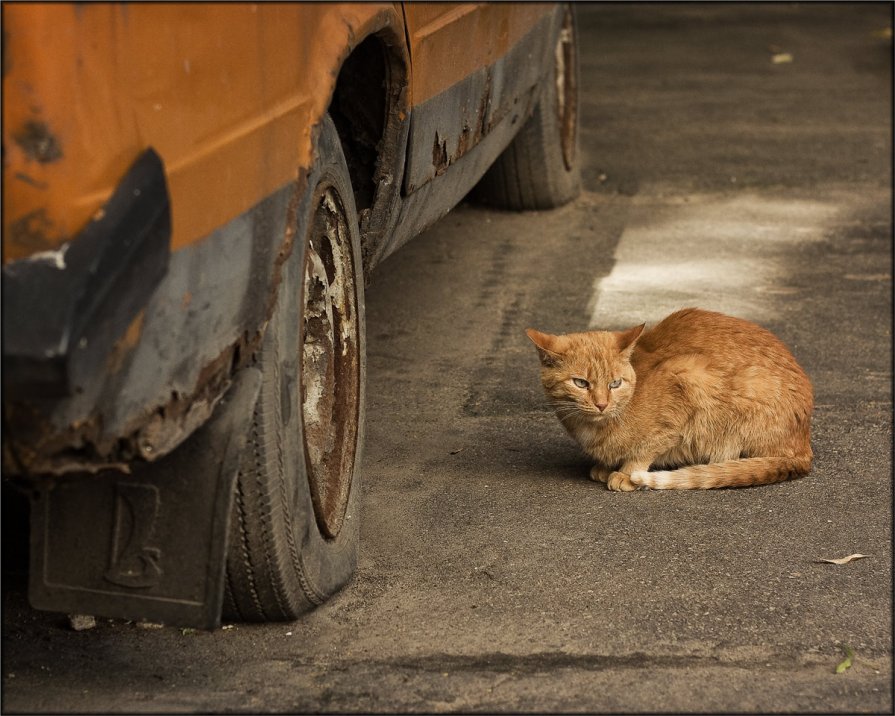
63	310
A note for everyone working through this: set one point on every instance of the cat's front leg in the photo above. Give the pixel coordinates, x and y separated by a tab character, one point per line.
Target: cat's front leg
600	473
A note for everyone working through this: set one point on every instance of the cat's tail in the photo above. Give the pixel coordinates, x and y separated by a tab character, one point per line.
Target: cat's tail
731	473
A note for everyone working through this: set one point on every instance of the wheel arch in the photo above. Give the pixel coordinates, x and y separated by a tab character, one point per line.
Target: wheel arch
369	107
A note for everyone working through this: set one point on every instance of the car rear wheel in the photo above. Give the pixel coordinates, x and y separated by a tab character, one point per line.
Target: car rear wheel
540	168
294	524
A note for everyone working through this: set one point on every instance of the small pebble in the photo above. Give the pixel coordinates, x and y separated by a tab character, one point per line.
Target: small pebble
80	622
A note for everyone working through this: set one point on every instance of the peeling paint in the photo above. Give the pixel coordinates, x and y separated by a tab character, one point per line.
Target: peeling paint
124	345
440	154
466	113
33	230
81	446
38	143
54	258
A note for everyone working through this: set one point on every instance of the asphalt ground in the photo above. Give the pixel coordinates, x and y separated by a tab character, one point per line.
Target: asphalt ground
494	576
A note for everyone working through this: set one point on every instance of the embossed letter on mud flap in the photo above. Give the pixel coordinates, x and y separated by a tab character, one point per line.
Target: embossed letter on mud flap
150	545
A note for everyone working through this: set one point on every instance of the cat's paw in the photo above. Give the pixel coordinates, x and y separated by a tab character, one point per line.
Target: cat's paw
620	482
598	473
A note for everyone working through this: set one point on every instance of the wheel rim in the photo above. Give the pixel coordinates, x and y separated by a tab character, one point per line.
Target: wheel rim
566	89
329	362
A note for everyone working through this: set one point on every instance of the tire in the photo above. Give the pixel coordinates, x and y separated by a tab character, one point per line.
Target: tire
540	168
294	523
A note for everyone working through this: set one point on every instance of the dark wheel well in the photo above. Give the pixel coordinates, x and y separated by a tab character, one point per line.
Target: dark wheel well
368	108
358	110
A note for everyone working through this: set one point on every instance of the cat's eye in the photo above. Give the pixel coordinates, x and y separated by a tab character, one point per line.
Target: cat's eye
615	384
581	382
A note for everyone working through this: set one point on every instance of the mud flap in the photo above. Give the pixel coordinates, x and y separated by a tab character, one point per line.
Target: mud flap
150	545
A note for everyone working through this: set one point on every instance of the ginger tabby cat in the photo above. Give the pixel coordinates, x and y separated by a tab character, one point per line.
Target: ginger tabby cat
704	399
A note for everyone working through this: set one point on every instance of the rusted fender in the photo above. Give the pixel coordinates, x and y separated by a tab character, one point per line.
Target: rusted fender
229	100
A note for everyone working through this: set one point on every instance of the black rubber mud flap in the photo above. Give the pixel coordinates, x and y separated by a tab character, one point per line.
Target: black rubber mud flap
150	545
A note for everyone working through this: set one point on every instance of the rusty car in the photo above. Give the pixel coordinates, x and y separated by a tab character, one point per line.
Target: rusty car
194	196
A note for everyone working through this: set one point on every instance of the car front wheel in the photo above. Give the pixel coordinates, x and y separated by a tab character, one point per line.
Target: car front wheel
294	523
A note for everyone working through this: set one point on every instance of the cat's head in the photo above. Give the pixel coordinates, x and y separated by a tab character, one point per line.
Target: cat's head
587	375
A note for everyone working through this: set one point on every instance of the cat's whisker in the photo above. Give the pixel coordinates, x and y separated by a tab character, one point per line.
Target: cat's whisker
571	410
564	405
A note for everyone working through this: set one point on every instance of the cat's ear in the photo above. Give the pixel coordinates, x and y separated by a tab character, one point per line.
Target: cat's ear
549	347
626	340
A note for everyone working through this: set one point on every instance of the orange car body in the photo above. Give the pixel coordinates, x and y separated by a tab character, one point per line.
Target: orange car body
227	97
227	94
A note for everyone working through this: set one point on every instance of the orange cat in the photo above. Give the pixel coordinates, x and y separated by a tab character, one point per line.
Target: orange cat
705	399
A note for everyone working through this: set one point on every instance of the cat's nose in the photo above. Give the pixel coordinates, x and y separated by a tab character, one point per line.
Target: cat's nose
601	406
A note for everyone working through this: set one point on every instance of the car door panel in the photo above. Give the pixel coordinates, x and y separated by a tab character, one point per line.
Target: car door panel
472	64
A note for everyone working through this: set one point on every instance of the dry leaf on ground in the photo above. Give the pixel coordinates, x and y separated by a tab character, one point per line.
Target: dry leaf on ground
843	560
847	661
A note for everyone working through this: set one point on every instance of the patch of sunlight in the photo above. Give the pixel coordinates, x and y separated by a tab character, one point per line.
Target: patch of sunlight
734	255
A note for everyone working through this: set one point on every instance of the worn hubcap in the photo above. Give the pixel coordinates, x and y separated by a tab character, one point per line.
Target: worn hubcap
330	362
566	94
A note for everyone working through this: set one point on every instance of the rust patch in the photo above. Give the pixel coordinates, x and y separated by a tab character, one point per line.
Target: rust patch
126	344
473	130
39	448
43	450
33	231
301	186
463	144
484	126
440	158
38	142
173	423
471	135
186	300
